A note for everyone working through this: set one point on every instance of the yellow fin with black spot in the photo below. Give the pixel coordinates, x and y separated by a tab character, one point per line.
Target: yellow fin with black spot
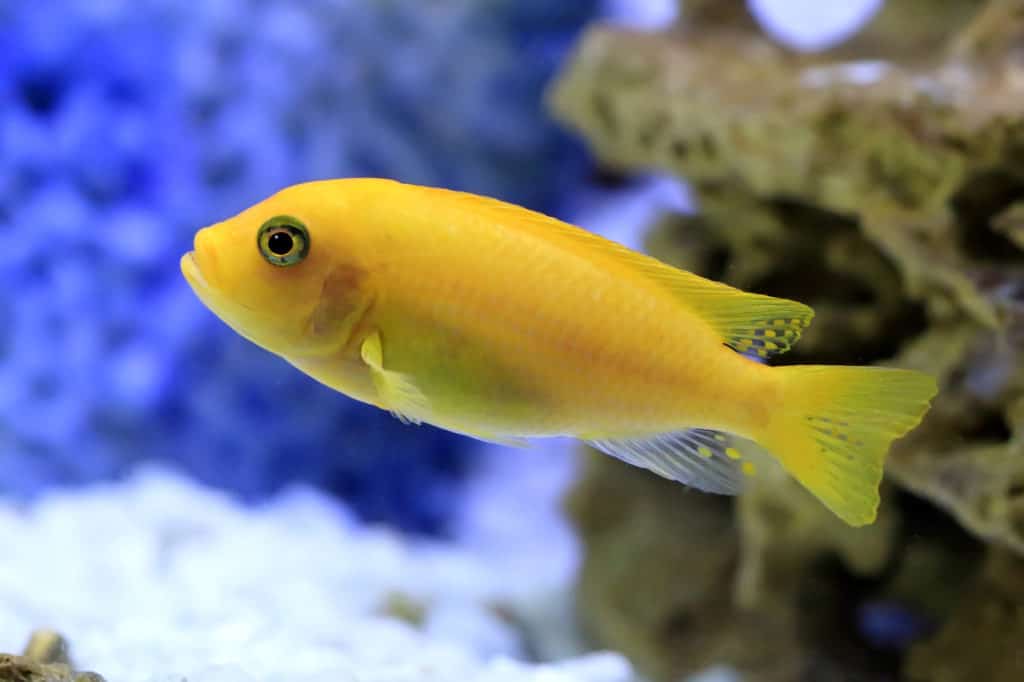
751	324
396	391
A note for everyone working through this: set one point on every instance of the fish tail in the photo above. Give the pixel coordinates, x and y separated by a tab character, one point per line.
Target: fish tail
835	426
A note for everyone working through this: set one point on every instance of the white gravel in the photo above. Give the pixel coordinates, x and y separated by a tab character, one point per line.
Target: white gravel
158	579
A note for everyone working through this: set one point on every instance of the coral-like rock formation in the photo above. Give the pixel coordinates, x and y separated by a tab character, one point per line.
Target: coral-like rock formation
45	659
882	183
991	606
657	580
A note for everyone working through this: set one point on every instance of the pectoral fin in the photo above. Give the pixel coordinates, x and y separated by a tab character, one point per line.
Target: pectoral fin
396	391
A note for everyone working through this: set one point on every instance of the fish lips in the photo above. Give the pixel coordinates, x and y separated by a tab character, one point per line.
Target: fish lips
236	315
193	275
210	295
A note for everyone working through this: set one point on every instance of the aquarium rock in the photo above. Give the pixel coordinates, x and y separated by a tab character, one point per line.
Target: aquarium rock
982	638
43	660
879	182
658	579
47	646
24	669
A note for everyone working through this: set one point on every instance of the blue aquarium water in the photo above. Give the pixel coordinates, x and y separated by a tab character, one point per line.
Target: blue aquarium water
125	126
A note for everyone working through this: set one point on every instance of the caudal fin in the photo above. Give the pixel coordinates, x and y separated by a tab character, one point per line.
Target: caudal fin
835	427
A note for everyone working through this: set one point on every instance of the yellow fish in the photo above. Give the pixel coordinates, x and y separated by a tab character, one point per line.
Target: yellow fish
501	323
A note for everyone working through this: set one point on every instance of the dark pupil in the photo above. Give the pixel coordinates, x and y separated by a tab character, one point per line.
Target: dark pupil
280	243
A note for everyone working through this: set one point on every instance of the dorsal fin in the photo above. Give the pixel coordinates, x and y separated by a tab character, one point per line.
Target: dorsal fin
748	323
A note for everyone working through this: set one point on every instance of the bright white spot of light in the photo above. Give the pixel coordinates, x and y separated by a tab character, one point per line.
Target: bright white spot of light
812	25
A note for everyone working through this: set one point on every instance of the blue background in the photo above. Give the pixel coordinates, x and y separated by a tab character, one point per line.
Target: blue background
125	126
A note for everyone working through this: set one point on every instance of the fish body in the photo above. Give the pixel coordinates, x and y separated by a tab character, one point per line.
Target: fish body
511	332
497	322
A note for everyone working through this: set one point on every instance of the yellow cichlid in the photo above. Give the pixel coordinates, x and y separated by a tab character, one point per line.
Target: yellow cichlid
497	322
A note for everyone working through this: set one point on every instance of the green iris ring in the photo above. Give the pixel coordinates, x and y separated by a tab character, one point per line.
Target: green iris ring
295	229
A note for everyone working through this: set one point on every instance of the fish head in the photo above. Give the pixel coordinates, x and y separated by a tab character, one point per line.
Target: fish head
282	273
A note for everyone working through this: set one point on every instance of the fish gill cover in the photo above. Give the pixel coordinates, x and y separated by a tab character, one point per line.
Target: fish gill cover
124	126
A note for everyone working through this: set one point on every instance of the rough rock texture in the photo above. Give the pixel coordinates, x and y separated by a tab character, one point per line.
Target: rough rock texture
45	659
882	183
660	582
991	604
657	579
47	646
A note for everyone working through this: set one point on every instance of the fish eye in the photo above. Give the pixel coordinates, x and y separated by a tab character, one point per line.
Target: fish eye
283	240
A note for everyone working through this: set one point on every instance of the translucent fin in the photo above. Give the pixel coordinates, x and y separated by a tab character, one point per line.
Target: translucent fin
507	441
713	461
396	391
753	324
502	439
836	426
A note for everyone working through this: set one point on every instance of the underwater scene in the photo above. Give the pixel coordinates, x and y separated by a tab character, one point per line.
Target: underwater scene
512	341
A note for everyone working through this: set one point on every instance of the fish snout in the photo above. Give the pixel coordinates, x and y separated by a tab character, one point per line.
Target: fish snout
200	264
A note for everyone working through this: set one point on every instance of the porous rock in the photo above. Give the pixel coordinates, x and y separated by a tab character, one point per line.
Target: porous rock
882	184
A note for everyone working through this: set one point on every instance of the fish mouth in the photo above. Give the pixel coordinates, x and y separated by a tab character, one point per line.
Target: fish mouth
207	293
190	269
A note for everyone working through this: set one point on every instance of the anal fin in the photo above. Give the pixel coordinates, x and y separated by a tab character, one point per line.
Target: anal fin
712	461
397	392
